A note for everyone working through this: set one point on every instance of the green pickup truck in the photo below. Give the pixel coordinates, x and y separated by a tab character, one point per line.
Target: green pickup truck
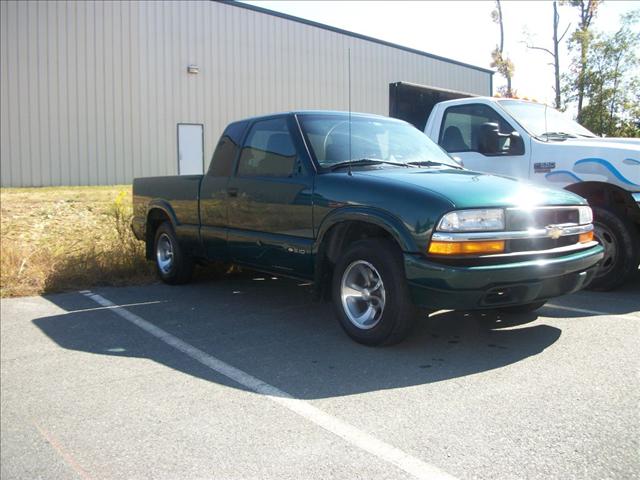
378	216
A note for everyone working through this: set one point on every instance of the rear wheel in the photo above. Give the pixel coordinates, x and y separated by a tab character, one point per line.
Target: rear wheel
621	244
173	265
370	293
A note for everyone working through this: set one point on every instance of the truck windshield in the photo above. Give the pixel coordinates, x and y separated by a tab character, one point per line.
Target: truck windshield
372	138
543	121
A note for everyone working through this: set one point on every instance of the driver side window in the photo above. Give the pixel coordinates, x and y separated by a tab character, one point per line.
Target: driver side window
472	128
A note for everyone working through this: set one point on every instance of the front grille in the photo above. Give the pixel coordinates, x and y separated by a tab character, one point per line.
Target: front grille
517	220
531	237
535	244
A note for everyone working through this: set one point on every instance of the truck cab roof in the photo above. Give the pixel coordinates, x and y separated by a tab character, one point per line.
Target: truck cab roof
312	112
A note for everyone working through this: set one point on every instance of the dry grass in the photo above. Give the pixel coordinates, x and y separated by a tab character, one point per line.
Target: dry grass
68	238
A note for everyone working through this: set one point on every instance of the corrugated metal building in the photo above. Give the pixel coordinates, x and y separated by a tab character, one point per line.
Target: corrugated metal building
93	92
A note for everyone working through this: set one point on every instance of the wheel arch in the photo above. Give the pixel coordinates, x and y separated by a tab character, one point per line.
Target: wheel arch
607	195
378	218
346	226
617	228
157	213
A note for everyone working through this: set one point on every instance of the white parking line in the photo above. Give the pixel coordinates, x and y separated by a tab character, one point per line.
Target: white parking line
83	310
591	312
351	434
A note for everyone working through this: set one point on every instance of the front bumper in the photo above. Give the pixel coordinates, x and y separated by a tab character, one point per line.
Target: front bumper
434	285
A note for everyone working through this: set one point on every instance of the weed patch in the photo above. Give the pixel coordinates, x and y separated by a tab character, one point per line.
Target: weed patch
68	238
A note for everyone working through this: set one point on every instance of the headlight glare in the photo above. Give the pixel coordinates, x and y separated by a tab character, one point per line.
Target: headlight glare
477	220
585	215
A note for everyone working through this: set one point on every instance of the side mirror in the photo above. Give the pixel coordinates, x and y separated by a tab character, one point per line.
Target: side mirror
516	144
489	140
492	142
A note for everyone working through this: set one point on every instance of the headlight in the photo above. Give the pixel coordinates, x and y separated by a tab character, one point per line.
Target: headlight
585	215
486	219
636	197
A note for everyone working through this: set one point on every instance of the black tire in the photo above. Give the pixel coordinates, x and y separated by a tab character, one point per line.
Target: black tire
397	315
526	308
180	268
621	243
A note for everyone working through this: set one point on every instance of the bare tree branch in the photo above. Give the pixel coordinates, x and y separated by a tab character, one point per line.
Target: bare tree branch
565	32
533	47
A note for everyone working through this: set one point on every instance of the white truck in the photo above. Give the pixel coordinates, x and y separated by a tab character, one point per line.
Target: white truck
532	141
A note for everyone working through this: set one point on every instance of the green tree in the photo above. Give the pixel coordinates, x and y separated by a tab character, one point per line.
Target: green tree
503	64
611	81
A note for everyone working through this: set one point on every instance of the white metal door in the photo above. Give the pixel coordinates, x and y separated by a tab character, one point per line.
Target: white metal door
190	149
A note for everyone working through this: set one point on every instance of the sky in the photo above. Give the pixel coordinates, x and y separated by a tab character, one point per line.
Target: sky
463	30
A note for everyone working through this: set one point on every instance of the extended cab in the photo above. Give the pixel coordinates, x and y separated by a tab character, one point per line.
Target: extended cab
532	141
373	212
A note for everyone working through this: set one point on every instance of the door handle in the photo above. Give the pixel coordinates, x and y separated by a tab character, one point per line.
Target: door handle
232	192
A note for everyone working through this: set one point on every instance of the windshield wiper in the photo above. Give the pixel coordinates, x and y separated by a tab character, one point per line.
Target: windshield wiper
365	161
559	135
431	163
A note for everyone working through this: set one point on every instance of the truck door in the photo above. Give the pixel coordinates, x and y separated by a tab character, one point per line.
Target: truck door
484	140
214	215
270	200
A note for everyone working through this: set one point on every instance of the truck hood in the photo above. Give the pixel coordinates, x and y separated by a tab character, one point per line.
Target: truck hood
607	141
627	144
468	189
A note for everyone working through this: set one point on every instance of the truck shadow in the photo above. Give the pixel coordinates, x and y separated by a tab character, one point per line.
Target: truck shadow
271	329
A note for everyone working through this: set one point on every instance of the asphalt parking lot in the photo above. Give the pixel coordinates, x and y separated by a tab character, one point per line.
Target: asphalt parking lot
248	378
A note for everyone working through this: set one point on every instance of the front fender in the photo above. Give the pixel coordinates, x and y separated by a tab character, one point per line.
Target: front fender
381	218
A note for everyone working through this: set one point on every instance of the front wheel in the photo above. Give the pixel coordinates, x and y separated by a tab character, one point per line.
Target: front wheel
370	293
174	266
621	244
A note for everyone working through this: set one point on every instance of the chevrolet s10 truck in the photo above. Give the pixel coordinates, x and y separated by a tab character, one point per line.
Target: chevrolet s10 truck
378	216
532	141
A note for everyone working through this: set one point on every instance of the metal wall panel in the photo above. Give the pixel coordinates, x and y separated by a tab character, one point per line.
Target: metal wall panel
91	92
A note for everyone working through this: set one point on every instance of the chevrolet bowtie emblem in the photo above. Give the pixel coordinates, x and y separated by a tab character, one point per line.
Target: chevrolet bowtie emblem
554	232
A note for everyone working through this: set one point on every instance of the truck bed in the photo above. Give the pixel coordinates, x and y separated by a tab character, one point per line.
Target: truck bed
177	196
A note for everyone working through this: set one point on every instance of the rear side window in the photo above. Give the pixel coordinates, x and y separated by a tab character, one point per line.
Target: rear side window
268	150
462	127
226	150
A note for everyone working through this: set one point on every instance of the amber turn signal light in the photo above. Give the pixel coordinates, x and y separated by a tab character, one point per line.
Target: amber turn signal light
586	237
466	248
